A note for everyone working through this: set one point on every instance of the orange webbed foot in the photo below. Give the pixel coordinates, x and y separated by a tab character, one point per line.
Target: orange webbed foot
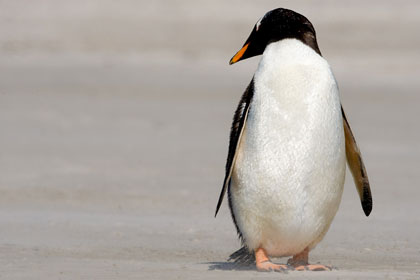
264	264
300	263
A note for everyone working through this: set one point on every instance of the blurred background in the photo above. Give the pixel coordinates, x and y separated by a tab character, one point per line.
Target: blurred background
115	117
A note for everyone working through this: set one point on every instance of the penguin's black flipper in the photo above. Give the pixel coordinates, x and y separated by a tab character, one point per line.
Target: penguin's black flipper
239	121
357	168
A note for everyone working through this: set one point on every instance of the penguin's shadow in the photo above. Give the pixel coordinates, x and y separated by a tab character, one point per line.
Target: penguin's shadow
230	266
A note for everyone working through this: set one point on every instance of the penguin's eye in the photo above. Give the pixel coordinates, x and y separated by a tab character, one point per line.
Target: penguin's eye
258	24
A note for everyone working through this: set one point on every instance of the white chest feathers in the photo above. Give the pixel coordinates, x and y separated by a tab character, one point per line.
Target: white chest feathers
289	172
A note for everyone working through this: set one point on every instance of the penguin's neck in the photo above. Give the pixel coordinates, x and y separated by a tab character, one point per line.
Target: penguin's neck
290	76
286	52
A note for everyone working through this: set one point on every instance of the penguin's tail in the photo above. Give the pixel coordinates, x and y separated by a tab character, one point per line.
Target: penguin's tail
242	257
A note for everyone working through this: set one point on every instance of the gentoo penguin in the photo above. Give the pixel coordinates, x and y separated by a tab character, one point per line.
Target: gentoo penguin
288	147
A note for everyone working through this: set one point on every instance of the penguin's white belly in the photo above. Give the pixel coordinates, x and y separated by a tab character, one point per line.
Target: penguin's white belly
288	176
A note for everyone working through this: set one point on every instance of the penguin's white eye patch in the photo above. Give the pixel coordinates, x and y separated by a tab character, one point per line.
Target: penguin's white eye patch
258	24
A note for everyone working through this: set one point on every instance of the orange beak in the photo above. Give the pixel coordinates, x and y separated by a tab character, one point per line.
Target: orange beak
239	54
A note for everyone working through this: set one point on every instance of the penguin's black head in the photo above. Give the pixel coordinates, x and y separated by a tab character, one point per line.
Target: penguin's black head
274	26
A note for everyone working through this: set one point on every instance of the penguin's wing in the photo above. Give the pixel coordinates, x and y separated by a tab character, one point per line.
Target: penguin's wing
357	168
238	124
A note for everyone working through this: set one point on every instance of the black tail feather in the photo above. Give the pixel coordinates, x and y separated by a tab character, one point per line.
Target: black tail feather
243	257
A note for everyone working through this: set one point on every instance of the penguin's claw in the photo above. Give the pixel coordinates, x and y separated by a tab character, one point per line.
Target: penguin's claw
268	266
313	267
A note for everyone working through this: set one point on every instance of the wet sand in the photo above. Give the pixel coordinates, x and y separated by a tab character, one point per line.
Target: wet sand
115	121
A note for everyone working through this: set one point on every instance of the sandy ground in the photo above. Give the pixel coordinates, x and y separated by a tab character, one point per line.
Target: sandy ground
114	119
